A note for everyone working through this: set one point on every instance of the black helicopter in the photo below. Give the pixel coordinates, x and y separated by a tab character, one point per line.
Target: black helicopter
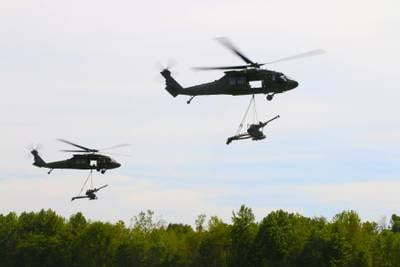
248	79
90	160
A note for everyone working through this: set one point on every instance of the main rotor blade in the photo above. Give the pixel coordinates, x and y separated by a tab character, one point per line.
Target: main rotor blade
113	147
228	44
71	150
305	54
118	154
82	147
240	67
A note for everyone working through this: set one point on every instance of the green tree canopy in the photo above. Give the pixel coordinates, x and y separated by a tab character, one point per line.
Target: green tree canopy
281	238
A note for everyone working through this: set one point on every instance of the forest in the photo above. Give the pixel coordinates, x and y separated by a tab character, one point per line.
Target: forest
280	239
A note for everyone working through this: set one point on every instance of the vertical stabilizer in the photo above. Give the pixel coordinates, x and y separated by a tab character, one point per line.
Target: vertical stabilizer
172	86
38	161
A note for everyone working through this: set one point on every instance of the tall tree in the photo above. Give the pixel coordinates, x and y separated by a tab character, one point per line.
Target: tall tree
214	248
243	231
280	239
395	221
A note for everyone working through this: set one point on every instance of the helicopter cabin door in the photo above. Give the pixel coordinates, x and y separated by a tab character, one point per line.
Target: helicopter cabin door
238	84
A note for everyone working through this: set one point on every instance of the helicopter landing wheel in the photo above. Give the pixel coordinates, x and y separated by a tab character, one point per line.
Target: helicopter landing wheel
269	97
103	171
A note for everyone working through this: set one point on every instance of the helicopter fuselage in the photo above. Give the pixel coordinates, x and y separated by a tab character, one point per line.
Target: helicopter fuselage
85	162
243	82
79	161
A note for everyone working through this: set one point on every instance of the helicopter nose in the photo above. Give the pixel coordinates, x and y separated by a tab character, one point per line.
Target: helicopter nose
293	84
117	165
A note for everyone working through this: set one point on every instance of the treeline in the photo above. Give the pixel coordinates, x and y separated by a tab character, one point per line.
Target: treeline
279	239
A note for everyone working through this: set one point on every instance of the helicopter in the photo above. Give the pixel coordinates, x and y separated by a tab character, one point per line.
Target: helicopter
248	79
90	160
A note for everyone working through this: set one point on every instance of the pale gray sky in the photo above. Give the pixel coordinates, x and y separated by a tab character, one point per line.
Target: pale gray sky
87	71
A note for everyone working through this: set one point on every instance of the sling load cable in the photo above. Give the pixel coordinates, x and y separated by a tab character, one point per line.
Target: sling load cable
255	115
83	186
91	181
252	102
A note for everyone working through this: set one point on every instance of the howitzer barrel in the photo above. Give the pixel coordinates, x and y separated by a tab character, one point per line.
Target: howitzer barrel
274	118
101	187
268	121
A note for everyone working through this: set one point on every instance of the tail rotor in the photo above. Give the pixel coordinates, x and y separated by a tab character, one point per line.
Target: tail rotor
32	147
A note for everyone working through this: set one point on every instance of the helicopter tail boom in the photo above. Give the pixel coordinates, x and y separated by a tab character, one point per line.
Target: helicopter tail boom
172	86
38	161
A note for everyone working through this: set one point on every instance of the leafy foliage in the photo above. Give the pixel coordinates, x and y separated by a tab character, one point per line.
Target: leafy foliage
280	239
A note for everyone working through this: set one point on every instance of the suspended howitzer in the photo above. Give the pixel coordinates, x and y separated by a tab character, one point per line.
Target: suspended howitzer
253	131
90	193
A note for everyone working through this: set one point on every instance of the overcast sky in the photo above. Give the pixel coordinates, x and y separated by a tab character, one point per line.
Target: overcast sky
88	71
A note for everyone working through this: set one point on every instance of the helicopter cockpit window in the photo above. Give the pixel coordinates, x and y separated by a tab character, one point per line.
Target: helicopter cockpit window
282	78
